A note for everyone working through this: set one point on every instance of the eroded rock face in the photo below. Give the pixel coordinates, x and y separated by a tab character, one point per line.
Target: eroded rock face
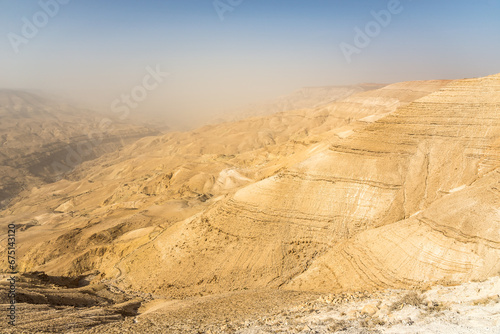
390	187
455	239
450	197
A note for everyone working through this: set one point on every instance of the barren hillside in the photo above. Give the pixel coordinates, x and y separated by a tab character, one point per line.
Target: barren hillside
126	199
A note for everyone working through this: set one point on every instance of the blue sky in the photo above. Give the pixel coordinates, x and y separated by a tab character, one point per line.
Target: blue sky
96	49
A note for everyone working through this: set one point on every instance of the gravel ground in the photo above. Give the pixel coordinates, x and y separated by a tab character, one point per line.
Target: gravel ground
471	308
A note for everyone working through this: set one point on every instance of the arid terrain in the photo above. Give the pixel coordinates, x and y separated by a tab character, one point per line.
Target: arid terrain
374	210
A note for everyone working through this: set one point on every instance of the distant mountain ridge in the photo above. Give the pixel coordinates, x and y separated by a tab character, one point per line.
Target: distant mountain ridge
37	132
304	98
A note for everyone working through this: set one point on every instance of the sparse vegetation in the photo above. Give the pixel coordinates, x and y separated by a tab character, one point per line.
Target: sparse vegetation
372	322
436	307
341	325
412	298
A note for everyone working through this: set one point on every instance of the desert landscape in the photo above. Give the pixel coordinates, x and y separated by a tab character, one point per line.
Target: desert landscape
266	182
312	219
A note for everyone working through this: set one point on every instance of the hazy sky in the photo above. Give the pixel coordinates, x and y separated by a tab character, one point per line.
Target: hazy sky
228	52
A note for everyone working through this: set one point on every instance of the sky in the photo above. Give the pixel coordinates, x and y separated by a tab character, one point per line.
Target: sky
189	59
